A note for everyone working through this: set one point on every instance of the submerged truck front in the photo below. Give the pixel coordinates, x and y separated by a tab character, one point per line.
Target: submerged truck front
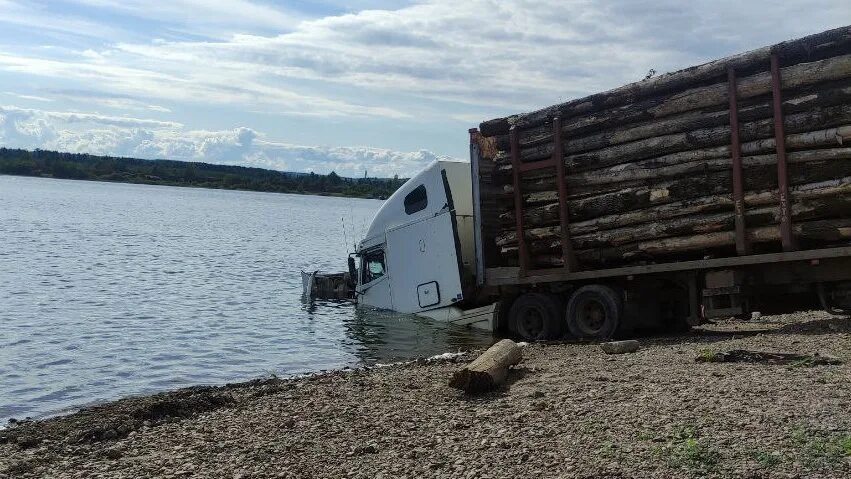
417	256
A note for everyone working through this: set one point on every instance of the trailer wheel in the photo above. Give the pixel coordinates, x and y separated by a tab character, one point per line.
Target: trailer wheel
536	316
594	312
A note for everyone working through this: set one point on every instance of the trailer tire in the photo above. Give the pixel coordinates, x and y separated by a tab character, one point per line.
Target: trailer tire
536	317
594	312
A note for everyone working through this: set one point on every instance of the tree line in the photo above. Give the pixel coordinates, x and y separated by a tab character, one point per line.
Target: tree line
81	166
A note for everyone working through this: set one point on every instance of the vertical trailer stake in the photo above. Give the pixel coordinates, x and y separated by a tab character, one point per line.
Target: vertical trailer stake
475	176
743	247
558	158
786	237
518	200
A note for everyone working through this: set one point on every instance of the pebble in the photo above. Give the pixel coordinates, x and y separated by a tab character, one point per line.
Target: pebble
113	453
638	405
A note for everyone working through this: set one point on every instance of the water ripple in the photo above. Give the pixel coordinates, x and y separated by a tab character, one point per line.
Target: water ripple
110	290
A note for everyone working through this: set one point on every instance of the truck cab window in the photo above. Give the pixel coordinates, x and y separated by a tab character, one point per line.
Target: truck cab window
374	266
416	200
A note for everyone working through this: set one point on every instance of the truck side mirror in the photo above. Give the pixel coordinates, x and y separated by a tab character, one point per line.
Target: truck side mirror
353	272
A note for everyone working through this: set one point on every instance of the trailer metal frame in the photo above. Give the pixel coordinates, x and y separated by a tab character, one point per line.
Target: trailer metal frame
508	276
786	237
743	246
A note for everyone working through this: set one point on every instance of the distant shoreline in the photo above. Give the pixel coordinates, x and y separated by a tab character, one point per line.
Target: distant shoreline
196	187
78	166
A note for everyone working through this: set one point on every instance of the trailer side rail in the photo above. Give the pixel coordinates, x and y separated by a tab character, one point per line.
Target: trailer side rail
507	276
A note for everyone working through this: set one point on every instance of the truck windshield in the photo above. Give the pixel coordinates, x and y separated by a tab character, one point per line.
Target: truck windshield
374	261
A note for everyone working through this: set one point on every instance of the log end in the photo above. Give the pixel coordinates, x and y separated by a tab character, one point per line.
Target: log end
497	126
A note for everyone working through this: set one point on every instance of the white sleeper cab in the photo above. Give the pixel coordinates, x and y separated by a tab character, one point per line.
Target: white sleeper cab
418	255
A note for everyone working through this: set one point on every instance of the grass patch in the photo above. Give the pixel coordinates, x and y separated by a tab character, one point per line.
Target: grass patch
705	355
845	444
817	450
685	450
608	449
767	460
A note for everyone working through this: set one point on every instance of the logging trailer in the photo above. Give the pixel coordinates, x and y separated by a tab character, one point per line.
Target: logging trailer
743	205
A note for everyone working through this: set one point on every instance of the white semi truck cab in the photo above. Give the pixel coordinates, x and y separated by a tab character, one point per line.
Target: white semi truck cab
418	255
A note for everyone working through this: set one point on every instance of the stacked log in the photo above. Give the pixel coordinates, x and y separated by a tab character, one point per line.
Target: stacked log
648	167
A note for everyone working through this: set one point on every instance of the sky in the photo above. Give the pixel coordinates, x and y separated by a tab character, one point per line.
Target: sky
382	87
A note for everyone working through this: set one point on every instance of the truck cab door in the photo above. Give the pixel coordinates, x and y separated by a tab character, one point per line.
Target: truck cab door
374	280
423	264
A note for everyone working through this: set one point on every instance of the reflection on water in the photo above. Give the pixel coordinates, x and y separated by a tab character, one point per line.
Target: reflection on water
378	335
110	290
381	336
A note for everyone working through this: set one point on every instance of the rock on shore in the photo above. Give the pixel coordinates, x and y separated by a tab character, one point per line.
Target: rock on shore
568	410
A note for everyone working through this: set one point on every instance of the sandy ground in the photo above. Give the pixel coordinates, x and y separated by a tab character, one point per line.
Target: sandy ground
569	411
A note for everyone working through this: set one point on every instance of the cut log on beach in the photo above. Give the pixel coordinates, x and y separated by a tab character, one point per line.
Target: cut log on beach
488	370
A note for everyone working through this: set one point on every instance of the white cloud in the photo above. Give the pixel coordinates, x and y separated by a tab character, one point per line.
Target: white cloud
28	97
40	18
115	102
509	55
348	161
391	70
224	14
516	54
90	118
153	139
472	118
201	85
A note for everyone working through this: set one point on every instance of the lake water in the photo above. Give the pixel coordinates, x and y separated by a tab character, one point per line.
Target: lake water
109	290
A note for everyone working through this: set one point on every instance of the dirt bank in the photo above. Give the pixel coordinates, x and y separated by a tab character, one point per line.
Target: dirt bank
569	411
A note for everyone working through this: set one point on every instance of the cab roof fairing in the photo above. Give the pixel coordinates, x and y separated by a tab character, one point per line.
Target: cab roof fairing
392	212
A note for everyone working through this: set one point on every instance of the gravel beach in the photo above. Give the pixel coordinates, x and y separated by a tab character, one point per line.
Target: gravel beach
569	410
